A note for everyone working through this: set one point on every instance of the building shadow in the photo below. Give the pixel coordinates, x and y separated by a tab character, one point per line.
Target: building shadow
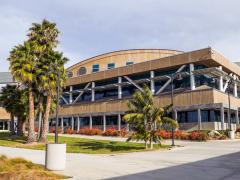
226	167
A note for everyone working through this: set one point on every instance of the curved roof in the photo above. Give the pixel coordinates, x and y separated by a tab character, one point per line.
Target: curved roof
164	52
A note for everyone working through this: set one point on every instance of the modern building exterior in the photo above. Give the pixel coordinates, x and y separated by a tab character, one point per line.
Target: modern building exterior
5	78
98	88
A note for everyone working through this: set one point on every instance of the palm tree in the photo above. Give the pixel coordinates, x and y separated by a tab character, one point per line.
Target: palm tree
49	62
146	119
23	67
54	62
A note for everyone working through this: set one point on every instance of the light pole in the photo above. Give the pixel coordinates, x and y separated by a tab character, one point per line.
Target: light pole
56	152
172	76
57	108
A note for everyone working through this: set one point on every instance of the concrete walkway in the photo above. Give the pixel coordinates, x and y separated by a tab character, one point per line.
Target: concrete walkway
213	160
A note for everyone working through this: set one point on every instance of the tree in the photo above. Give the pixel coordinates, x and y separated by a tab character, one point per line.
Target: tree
145	118
14	100
23	67
45	38
54	64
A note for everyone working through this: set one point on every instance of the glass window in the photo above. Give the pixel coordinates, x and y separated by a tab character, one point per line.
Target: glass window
129	63
192	116
82	70
111	65
70	74
95	67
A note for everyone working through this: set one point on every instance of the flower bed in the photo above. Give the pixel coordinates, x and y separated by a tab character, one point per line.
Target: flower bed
111	132
52	130
193	136
69	131
90	132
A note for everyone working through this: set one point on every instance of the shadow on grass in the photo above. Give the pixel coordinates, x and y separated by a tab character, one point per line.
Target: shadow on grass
111	146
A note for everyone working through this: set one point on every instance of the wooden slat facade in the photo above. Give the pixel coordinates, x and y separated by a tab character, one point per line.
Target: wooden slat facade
188	98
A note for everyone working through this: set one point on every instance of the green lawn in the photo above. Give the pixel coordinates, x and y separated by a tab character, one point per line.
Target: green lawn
79	145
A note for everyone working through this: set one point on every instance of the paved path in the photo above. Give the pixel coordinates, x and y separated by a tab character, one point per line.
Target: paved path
213	160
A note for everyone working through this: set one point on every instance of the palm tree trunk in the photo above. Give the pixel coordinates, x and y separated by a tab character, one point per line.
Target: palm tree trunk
31	133
146	145
21	127
40	116
43	137
12	129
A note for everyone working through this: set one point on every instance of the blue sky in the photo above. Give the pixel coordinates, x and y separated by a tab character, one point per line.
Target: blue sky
92	27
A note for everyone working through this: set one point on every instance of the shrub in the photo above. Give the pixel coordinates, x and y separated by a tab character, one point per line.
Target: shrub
198	136
111	132
123	133
52	130
163	134
69	131
91	132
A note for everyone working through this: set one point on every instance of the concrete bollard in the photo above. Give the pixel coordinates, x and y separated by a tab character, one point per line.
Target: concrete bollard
55	158
231	134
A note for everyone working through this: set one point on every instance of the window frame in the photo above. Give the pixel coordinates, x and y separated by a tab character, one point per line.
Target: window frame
94	71
128	63
111	64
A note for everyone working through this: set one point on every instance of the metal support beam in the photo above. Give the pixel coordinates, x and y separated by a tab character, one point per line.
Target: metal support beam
63	98
119	122
81	93
199	119
78	123
175	114
169	81
222	117
220	81
70	95
119	88
152	82
93	91
133	83
235	93
62	125
104	123
192	78
227	84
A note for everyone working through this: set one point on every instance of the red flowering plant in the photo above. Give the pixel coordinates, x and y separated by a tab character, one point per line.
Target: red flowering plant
52	130
163	134
69	131
198	136
91	132
111	132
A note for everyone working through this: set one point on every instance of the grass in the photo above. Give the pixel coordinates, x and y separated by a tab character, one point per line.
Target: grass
79	145
18	168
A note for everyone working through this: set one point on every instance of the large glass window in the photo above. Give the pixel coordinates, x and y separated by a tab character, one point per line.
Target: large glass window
111	65
95	67
82	70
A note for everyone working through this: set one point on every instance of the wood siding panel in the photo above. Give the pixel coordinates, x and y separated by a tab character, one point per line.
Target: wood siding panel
184	99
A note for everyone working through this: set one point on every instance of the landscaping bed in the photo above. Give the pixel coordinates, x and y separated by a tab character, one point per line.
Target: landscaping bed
79	145
202	135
